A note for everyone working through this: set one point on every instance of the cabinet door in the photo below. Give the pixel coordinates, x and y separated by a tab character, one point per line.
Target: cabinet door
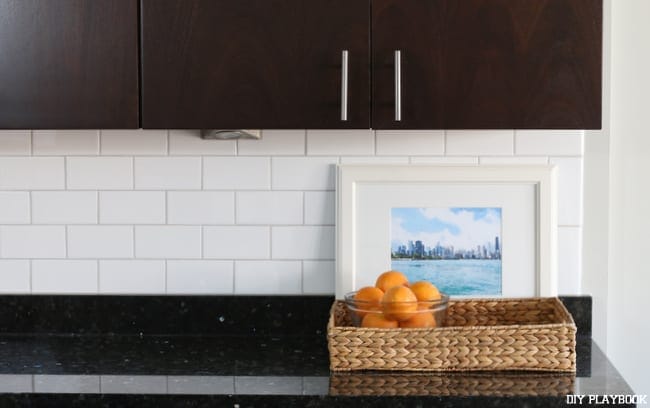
481	64
68	64
254	64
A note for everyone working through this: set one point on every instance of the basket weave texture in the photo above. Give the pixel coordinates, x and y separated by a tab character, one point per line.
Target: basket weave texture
479	334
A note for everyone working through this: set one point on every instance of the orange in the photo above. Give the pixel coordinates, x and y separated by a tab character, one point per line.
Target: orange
425	291
389	279
378	320
369	298
399	303
419	320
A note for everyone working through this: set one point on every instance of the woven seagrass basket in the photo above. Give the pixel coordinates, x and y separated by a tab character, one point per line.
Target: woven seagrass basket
479	334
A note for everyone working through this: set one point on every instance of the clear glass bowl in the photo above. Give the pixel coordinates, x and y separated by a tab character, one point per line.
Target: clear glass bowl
406	314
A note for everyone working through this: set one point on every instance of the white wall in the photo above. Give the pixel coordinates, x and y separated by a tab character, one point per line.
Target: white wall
628	302
166	212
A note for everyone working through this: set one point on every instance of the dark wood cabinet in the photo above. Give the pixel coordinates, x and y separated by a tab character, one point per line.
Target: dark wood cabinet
68	64
254	64
481	64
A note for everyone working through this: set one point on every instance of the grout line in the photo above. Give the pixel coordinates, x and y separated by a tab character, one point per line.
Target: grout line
168	142
235	199
514	142
31	142
444	143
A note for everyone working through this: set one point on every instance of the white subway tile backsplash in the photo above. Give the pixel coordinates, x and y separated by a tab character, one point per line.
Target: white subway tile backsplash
32	173
66	142
549	142
132	277
15	142
513	160
569	190
161	173
410	142
236	173
479	142
320	207
236	242
31	241
318	277
340	142
133	384
132	207
134	142
189	142
304	173
201	207
98	242
64	207
167	242
274	142
374	160
14	207
67	384
64	276
204	277
308	242
268	277
100	173
569	260
445	160
14	276
269	207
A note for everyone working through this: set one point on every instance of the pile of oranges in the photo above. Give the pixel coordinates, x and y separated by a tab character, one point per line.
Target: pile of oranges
393	302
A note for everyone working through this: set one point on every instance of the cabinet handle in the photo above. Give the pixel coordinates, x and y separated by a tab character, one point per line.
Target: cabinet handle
344	85
398	85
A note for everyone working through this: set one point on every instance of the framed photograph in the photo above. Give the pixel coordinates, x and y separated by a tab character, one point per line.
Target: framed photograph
473	231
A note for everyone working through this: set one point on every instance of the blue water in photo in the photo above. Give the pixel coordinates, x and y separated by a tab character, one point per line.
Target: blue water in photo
462	277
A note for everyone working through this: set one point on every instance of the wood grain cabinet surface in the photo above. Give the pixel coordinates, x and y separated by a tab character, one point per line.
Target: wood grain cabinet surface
254	64
481	64
68	64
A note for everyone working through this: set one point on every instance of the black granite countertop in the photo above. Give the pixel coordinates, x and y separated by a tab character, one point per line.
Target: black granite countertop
154	352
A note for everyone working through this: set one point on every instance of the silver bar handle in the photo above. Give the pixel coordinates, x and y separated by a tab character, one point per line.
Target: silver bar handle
398	85
344	85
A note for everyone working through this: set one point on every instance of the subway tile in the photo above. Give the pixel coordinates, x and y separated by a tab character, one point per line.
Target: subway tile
132	142
374	160
304	173
309	242
66	142
205	277
161	173
103	241
200	385
16	383
513	160
189	142
15	142
14	207
167	242
410	142
32	173
236	173
273	143
320	207
133	384
132	276
236	242
66	384
64	207
268	277
103	173
132	207
14	276
569	190
318	277
569	260
31	241
549	142
445	160
268	385
200	207
340	142
269	207
479	142
64	276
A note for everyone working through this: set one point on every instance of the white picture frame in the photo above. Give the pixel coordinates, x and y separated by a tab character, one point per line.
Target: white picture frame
365	194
